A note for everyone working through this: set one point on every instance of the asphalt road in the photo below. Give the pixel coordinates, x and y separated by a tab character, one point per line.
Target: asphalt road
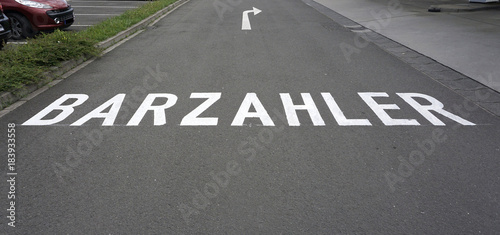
190	127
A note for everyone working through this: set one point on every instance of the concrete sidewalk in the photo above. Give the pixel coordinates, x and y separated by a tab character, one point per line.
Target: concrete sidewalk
466	41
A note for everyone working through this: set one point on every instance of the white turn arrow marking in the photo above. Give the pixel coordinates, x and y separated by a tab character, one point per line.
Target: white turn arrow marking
245	22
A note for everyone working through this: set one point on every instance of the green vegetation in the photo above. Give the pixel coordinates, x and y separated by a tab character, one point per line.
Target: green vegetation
24	64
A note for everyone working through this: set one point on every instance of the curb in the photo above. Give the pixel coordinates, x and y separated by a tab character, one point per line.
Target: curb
7	98
55	73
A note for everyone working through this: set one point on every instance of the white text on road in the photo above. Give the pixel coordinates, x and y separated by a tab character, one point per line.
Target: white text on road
159	103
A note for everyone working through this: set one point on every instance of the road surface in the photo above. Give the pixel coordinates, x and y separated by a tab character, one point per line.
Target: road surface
198	126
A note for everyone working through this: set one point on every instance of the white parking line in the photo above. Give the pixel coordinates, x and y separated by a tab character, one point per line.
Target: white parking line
96	14
123	7
103	1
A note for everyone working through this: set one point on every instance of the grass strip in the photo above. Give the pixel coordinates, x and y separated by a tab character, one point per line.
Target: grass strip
24	64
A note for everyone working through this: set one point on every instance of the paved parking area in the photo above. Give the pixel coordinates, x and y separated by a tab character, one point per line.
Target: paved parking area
88	13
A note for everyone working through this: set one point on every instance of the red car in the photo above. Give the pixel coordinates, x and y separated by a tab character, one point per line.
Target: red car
28	17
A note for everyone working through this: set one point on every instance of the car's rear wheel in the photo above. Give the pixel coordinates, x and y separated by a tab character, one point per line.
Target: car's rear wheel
21	27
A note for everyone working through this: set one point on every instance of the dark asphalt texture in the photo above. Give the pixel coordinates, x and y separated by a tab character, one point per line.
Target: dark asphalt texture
285	179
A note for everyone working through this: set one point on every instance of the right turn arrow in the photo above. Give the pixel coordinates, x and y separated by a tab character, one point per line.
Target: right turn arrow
245	22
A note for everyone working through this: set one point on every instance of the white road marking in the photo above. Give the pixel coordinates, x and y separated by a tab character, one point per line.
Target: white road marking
353	26
379	110
339	115
109	117
192	119
96	14
309	106
361	31
66	110
122	7
158	110
435	106
104	1
250	102
251	99
245	22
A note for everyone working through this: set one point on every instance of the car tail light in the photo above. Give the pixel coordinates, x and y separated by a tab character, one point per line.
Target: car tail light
1	7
